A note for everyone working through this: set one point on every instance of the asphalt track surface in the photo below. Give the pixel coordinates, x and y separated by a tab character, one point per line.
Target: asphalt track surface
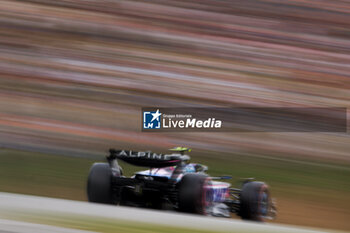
25	203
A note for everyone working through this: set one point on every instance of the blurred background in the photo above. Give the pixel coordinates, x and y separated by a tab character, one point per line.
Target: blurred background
74	75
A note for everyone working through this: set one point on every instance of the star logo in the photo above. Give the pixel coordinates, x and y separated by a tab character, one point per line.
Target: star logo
156	115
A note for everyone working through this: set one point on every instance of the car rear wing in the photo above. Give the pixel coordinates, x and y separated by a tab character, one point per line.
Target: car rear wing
147	158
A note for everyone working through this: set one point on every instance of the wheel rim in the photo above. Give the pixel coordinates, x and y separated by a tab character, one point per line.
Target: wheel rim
264	204
207	196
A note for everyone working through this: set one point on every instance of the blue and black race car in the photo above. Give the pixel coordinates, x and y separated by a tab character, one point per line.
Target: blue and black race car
172	182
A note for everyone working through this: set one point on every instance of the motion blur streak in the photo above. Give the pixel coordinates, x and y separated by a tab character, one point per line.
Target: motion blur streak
95	63
74	75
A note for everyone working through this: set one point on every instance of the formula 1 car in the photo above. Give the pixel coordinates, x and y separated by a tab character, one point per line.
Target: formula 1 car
174	183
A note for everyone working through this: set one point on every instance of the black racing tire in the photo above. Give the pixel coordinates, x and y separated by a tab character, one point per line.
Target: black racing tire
99	184
193	194
254	201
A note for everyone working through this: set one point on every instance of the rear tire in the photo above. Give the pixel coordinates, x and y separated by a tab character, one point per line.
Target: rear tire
193	194
254	201
99	184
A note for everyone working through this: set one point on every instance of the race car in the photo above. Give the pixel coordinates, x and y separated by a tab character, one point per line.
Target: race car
172	182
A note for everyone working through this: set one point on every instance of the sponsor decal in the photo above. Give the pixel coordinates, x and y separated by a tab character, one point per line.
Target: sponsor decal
219	194
144	154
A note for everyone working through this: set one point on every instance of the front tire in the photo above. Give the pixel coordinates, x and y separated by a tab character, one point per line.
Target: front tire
99	184
254	201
